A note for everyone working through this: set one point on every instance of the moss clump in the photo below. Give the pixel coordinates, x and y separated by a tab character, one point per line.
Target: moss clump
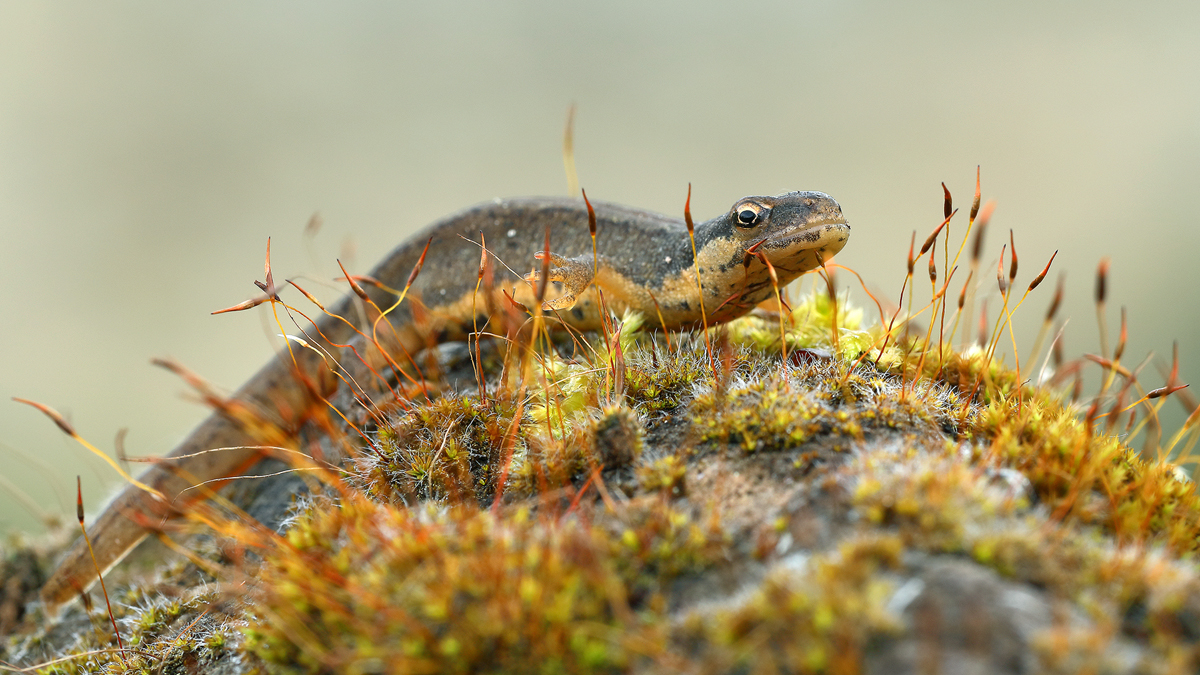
763	416
810	616
666	475
783	409
1092	477
660	379
448	448
463	590
810	324
175	622
617	437
21	575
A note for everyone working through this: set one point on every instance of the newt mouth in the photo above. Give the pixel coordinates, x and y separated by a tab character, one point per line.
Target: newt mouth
829	234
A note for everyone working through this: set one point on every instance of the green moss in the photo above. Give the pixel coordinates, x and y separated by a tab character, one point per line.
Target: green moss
660	380
808	325
780	410
814	619
463	590
173	632
617	437
666	475
447	448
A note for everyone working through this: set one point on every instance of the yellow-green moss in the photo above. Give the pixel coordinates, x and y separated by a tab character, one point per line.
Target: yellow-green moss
815	618
463	590
446	448
168	628
667	475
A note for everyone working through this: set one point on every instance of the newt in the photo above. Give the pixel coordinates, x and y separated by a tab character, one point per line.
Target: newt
643	261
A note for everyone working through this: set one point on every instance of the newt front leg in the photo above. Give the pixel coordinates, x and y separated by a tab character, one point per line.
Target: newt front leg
573	273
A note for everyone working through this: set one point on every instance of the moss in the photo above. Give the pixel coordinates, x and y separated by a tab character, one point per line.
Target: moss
22	574
464	590
813	619
786	408
449	447
742	501
170	627
659	379
1082	473
617	437
606	515
666	475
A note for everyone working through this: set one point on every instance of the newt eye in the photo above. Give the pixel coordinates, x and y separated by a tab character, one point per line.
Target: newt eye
748	214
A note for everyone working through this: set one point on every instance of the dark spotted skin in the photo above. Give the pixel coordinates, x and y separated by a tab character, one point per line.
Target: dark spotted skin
645	263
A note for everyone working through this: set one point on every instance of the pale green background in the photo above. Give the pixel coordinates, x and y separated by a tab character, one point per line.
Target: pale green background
148	149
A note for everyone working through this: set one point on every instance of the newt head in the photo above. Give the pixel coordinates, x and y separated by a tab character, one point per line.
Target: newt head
791	229
762	243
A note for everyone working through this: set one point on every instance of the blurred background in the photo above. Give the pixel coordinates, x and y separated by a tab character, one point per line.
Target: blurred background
147	151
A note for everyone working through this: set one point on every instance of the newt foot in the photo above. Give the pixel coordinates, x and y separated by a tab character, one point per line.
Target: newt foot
575	274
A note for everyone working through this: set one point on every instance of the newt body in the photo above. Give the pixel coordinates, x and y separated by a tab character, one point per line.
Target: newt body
644	262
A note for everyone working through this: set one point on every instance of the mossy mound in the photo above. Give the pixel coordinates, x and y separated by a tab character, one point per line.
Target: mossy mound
705	504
